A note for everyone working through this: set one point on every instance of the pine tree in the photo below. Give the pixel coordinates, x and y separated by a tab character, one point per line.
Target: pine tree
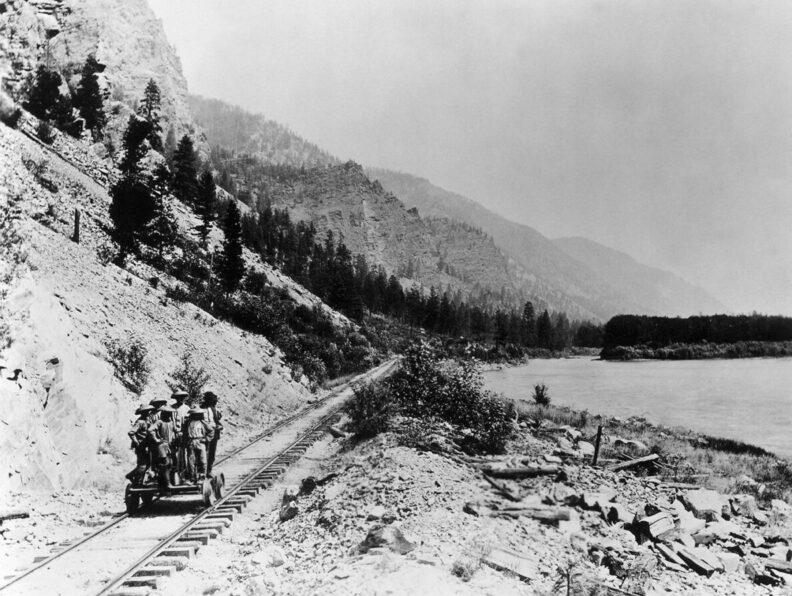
133	204
231	265
184	172
88	98
149	109
544	331
206	204
46	102
169	147
163	232
529	323
136	132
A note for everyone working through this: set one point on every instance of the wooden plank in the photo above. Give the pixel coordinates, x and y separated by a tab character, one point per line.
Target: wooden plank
634	462
779	565
16	514
539	513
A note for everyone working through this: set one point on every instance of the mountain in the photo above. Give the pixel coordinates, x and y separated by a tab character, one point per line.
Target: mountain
661	292
604	284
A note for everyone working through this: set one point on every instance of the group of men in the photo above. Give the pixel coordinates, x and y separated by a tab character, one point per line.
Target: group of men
175	441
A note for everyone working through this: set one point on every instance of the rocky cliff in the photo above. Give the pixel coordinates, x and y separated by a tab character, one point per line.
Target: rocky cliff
125	37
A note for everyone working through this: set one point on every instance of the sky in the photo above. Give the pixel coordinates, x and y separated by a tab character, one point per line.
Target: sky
661	128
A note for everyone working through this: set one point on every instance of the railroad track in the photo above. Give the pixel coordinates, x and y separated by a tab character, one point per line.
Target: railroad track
132	553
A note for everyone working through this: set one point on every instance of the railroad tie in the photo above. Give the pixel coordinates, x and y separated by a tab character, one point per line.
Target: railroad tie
156	570
179	551
198	536
165	561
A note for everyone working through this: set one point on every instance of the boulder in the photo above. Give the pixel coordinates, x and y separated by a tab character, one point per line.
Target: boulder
288	511
571	526
705	503
377	512
586	449
389	537
270	556
729	561
308	485
656	525
781	508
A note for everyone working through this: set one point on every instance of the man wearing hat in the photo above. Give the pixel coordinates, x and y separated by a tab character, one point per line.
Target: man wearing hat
139	438
197	433
213	419
180	415
162	436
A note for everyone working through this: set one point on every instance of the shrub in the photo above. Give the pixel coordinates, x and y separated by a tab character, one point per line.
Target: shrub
130	364
190	377
255	282
541	395
425	387
45	132
370	409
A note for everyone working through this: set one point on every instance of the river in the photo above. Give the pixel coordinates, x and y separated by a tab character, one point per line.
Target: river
747	399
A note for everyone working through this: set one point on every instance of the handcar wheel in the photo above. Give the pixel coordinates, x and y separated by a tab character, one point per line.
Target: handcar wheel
131	500
217	484
208	493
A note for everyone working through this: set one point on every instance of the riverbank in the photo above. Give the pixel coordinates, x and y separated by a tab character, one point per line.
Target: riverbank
702	351
410	511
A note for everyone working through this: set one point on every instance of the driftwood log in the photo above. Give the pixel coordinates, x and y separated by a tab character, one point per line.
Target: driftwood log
634	462
522	471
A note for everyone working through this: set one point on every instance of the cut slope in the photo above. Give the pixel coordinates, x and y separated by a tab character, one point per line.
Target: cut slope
65	418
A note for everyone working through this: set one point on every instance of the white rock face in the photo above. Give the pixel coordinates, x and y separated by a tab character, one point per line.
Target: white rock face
125	36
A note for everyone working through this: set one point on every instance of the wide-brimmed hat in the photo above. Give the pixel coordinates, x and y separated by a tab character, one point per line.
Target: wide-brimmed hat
143	409
179	392
167	409
158	402
196	412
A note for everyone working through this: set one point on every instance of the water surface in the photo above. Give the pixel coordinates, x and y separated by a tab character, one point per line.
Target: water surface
748	399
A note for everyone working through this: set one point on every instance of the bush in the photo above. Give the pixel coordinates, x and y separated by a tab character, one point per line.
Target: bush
130	364
45	132
541	395
255	282
425	387
370	409
190	377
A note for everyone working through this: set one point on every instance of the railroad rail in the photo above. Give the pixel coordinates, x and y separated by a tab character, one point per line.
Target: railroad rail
247	469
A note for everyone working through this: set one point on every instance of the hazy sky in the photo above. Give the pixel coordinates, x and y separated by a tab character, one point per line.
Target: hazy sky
660	128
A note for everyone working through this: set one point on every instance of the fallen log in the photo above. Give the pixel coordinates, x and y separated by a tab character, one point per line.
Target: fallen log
522	471
503	489
541	514
6	515
634	462
680	485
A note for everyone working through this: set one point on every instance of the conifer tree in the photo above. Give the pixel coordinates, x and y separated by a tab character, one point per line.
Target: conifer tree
206	204
149	109
136	132
133	205
544	331
169	147
185	172
232	267
88	98
163	232
529	323
46	102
